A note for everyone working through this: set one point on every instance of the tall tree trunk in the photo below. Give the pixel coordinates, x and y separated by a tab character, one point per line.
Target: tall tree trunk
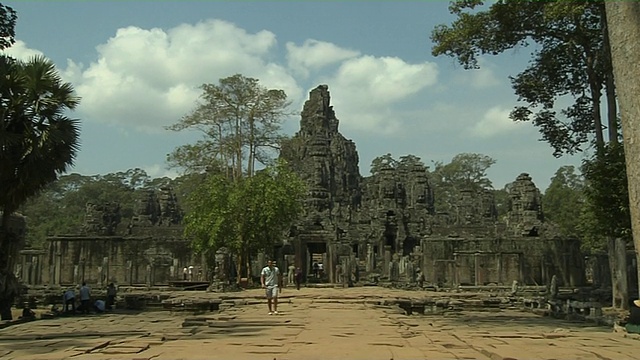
617	253
596	94
610	91
623	18
9	285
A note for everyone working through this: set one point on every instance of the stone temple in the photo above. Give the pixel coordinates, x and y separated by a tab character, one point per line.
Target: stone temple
381	228
386	227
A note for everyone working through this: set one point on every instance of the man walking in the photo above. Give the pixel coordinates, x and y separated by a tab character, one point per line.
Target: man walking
270	278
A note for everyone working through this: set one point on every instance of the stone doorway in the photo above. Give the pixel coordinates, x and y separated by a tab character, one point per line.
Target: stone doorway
317	254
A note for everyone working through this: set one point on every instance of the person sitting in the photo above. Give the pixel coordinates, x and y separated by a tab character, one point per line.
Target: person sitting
27	314
99	306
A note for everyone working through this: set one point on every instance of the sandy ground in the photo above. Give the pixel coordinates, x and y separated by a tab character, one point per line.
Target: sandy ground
312	324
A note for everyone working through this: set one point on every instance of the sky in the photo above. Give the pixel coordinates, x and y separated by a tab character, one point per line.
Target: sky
137	66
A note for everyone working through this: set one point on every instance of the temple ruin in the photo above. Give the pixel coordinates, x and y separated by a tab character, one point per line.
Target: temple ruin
382	228
385	227
148	249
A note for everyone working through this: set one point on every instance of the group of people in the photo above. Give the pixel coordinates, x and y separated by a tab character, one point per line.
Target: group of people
188	274
69	300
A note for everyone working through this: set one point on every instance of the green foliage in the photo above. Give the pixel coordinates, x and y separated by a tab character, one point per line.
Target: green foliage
503	201
381	162
466	171
606	213
8	19
240	123
37	140
60	208
564	200
570	60
246	215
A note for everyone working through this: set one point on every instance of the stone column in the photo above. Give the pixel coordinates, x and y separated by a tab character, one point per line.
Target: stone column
26	273
76	274
476	268
55	269
371	259
149	274
37	270
105	270
387	261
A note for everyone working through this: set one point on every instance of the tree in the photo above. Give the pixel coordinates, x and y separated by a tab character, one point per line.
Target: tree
564	199
240	121
8	19
38	142
571	60
624	30
245	216
466	171
381	162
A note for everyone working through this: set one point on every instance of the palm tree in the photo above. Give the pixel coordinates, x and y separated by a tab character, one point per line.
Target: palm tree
38	142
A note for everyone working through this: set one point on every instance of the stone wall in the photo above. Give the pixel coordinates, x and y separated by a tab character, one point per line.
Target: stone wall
122	260
148	249
500	261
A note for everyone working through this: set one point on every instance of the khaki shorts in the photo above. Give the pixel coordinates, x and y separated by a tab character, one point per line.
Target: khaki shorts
272	292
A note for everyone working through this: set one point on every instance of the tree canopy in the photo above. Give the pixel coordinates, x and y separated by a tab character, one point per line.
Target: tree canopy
245	216
570	59
8	18
563	200
606	213
240	123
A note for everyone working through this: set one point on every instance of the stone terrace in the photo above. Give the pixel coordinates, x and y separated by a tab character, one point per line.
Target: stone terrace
314	323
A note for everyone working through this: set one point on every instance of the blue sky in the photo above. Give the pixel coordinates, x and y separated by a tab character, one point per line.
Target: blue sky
137	66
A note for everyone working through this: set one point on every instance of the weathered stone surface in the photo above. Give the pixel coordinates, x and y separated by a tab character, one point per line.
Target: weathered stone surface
317	324
148	249
386	227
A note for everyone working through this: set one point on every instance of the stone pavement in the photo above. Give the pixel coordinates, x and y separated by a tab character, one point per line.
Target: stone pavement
351	323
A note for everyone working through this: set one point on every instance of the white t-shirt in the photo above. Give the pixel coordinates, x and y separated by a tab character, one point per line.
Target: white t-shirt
270	276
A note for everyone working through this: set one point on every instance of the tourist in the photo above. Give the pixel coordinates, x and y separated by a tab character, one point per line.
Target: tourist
27	314
315	269
298	277
85	298
99	306
69	299
190	273
270	278
111	296
184	274
321	270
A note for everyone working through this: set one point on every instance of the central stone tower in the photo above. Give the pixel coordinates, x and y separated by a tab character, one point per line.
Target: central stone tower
328	163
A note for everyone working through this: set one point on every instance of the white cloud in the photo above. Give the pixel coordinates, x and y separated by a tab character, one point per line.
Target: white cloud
367	88
495	121
314	55
19	50
159	171
148	78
